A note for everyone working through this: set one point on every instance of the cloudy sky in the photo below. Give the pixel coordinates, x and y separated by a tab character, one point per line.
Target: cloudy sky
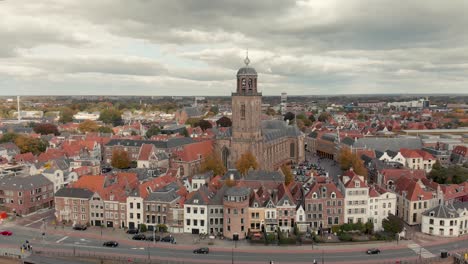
194	47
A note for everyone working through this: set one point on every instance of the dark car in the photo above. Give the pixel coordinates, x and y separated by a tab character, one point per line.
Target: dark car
373	251
201	251
151	238
168	239
106	170
139	237
110	244
132	231
80	227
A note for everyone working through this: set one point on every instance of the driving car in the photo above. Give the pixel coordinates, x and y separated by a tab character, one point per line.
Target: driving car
373	251
80	227
110	244
139	237
6	233
132	231
201	251
151	238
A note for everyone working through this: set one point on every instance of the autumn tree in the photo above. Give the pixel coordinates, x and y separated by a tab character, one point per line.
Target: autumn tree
213	163
245	162
120	159
270	111
358	166
230	183
345	159
29	144
288	176
88	126
111	116
224	122
46	129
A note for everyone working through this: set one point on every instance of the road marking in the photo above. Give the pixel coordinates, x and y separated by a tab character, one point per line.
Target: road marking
138	248
421	251
62	239
32	223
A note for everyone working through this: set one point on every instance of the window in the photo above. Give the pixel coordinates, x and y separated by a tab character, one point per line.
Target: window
20	194
202	211
131	206
202	222
195	210
442	222
138	205
131	215
187	221
242	112
188	210
195	222
138	216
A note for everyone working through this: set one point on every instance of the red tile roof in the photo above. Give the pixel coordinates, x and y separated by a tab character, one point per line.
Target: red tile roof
25	157
414	189
145	151
192	151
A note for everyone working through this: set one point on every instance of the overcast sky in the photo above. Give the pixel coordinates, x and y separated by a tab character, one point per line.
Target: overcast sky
194	47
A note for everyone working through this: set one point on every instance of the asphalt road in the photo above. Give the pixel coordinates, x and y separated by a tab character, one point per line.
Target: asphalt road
127	248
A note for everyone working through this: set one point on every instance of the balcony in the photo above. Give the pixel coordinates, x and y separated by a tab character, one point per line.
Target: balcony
271	221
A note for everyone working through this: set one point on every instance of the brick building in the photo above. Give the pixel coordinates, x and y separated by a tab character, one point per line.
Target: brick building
26	195
73	205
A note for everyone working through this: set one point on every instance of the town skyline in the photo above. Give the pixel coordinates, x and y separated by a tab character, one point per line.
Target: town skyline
159	48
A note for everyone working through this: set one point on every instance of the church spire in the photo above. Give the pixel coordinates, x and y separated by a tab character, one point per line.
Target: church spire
246	60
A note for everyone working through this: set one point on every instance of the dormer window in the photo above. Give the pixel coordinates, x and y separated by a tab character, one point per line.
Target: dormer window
357	184
314	195
286	202
431	213
195	201
255	205
111	197
333	195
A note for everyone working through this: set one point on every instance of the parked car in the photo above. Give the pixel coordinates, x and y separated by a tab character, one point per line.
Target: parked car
167	239
6	233
373	251
80	227
201	251
139	237
110	244
151	238
132	231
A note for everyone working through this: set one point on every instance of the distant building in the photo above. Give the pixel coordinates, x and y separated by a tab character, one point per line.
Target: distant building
81	116
446	220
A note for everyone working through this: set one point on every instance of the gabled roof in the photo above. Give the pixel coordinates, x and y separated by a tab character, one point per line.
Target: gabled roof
350	178
195	151
328	187
413	189
145	152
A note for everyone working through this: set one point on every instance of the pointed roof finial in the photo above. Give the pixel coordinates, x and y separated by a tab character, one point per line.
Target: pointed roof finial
246	60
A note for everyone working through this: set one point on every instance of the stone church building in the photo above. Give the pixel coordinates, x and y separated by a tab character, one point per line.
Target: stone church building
272	142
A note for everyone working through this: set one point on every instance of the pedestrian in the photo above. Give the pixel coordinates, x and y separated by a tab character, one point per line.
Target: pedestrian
29	247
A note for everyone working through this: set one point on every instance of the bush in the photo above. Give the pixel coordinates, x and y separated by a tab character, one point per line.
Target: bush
287	240
345	237
336	229
270	237
162	228
143	228
384	236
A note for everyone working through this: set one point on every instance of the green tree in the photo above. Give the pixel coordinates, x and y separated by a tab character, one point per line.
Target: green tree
185	133
143	228
204	124
245	162
312	118
192	121
392	224
105	129
111	116
301	117
289	116
224	122
153	131
323	117
120	159
66	115
213	163
8	137
46	129
288	176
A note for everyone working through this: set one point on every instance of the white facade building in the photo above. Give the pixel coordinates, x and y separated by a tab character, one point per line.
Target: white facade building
449	220
356	192
134	212
381	204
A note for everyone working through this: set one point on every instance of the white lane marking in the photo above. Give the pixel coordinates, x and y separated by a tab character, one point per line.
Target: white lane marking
32	223
138	248
62	239
421	251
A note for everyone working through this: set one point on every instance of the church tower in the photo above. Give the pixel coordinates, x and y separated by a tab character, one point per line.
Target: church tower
246	105
246	115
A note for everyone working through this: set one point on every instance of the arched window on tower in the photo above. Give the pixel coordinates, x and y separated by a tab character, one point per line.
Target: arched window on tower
250	85
292	150
243	112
